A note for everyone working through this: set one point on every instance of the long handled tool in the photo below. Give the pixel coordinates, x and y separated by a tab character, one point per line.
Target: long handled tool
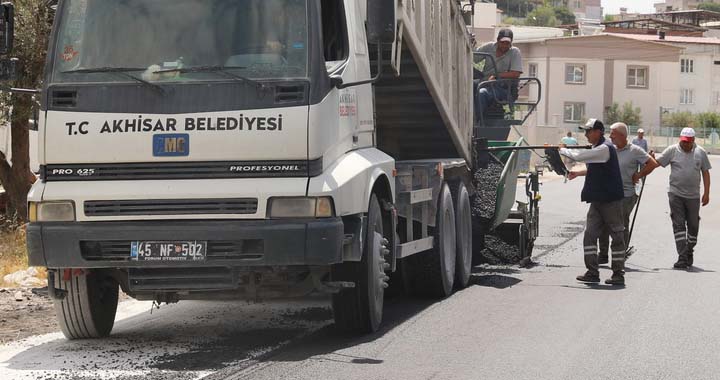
551	152
630	249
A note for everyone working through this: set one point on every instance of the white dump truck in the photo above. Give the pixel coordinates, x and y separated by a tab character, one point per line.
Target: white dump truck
226	149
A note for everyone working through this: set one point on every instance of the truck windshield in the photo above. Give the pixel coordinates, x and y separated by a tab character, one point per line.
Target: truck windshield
165	40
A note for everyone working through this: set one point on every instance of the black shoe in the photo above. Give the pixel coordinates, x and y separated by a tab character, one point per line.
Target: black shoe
690	260
616	279
589	277
682	263
603	259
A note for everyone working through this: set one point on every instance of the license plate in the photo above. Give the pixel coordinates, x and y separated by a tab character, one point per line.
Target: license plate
191	250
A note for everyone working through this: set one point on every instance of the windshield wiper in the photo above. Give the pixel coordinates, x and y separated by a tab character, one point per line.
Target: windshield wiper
123	71
214	69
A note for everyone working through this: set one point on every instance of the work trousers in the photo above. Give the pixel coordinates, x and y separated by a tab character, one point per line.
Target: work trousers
685	216
628	204
605	215
486	96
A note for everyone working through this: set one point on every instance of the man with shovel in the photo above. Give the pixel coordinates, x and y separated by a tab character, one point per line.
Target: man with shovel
630	158
603	190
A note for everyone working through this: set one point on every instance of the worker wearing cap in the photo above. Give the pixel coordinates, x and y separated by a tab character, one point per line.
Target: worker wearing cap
640	140
508	61
603	190
630	158
688	162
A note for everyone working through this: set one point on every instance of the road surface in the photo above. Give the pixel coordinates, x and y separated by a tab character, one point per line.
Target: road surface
512	323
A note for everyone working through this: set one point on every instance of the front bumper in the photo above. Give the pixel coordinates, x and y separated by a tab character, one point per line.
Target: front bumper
272	242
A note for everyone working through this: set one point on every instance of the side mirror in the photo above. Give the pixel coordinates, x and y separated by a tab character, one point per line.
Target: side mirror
7	27
381	21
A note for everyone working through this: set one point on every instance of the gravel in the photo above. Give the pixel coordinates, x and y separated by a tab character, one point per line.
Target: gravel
496	251
499	252
25	312
486	183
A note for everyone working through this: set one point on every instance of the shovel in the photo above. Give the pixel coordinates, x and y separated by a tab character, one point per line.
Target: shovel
631	249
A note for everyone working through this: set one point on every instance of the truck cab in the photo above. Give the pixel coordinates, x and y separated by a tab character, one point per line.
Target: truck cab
253	149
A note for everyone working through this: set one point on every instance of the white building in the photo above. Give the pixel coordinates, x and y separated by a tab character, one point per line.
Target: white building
582	76
586	9
698	70
680	5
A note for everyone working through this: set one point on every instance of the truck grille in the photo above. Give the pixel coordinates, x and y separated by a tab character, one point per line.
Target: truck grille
171	207
154	279
249	249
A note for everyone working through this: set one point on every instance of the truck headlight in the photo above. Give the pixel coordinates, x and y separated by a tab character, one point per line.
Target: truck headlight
54	211
301	207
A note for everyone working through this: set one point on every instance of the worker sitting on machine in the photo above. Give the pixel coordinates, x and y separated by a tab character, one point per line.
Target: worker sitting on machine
508	66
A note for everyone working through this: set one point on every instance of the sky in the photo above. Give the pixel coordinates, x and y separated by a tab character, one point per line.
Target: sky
642	6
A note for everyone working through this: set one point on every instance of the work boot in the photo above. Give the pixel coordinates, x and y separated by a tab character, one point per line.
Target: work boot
682	263
690	260
603	259
618	278
589	277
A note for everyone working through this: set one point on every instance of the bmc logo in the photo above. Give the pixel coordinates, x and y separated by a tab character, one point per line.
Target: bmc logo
171	145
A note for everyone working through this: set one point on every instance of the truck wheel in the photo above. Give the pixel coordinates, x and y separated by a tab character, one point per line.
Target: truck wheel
478	246
463	227
359	309
88	308
433	272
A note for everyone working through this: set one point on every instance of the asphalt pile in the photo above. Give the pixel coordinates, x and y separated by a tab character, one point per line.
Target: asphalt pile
497	251
486	183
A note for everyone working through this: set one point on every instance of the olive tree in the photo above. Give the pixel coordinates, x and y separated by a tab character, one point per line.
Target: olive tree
628	114
33	20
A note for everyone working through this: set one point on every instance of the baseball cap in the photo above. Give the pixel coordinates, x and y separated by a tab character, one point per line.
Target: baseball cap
505	35
593	124
640	130
687	134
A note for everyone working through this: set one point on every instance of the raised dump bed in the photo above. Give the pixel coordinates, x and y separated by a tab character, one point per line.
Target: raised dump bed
425	111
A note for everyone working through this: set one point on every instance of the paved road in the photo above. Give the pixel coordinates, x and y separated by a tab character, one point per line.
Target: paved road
535	323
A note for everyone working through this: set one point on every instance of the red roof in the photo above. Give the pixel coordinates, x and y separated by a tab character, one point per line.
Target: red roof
674	39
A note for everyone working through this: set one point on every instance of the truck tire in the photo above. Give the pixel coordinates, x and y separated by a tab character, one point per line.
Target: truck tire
463	228
89	306
433	272
360	309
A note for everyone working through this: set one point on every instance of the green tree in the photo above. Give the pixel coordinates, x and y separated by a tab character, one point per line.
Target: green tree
609	18
33	20
515	8
714	7
679	120
507	20
628	114
542	16
564	16
707	121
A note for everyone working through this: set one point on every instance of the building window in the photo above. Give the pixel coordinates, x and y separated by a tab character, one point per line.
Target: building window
574	112
687	65
687	96
578	4
716	98
574	73
532	70
637	77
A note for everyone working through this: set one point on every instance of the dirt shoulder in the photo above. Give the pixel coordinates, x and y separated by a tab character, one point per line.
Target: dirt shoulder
25	312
